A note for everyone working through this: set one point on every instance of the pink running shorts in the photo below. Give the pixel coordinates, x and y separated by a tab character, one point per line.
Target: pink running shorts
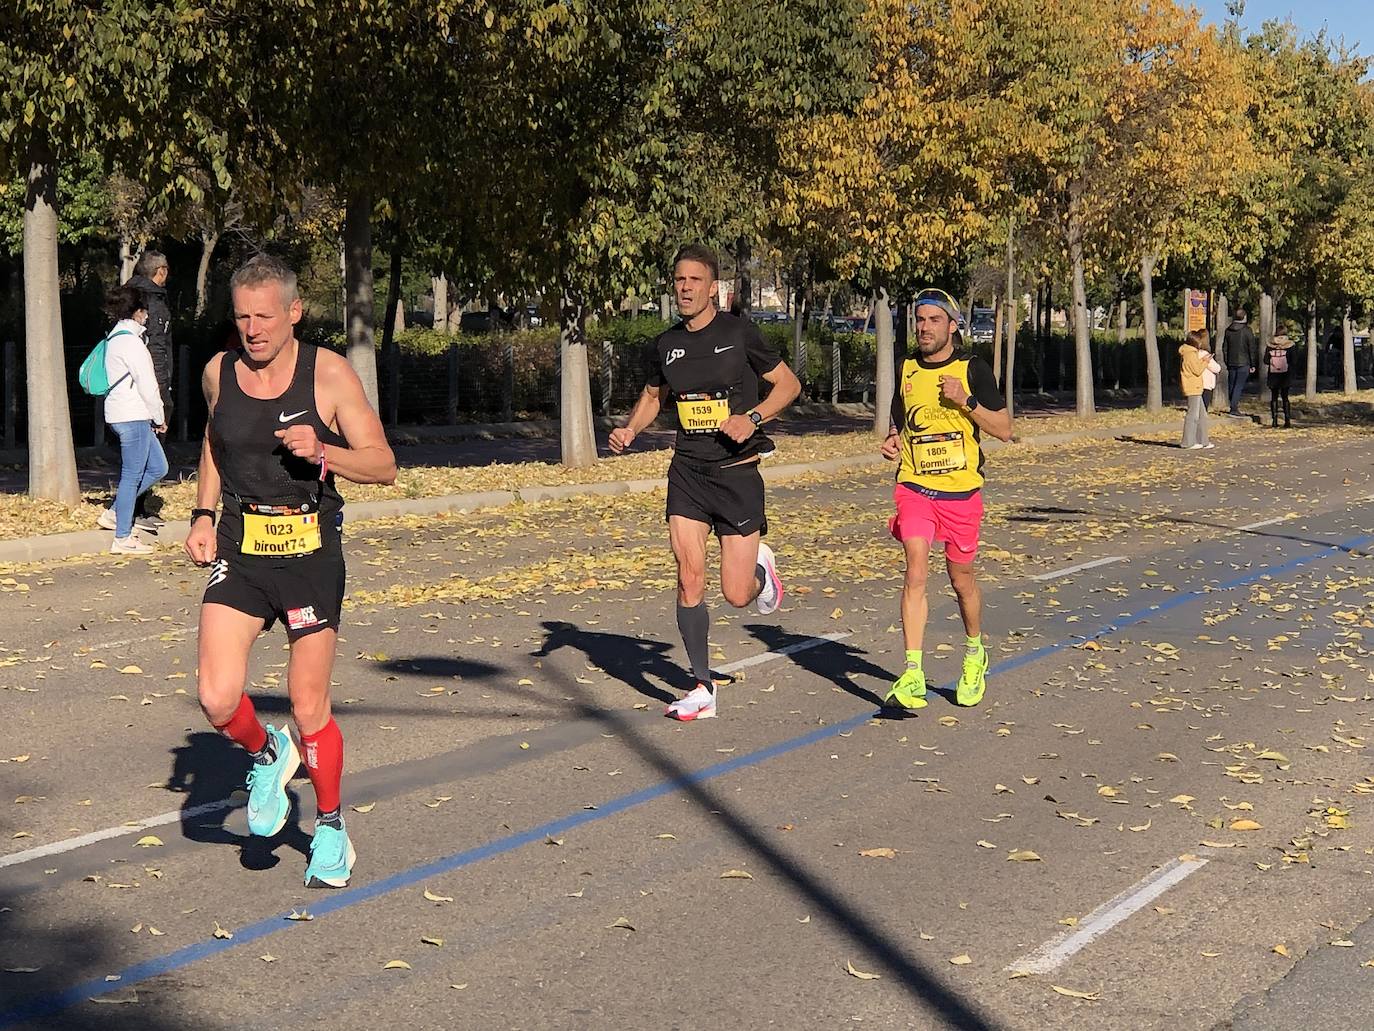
956	521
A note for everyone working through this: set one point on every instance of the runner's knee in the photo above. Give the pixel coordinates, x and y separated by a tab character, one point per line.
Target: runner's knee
739	594
219	697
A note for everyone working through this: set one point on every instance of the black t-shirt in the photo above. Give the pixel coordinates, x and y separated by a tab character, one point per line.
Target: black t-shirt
712	373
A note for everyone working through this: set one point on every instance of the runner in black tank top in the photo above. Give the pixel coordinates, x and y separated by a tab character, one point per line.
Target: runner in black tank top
255	468
285	418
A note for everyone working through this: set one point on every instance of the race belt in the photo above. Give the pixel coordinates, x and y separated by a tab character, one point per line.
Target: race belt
703	411
936	453
275	531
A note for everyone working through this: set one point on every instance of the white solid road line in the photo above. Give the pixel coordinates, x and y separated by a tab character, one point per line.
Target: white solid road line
1059	949
1080	567
132	827
135	826
1263	522
799	646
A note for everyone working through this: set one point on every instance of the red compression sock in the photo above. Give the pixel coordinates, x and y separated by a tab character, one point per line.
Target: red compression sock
244	728
324	762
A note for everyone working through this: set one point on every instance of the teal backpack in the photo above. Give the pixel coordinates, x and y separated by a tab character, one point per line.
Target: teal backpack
92	376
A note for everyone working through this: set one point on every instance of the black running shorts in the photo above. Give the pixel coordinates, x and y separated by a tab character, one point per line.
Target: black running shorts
729	500
305	594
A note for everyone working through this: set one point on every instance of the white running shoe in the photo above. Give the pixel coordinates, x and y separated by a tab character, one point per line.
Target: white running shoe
697	704
107	519
1208	447
131	545
771	596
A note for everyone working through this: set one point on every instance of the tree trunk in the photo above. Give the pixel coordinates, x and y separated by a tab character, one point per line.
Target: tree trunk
1010	313
803	310
665	307
575	385
745	293
208	239
998	314
1082	330
127	257
1310	391
1348	381
1154	387
883	372
358	291
1266	335
439	288
391	352
1221	398
52	455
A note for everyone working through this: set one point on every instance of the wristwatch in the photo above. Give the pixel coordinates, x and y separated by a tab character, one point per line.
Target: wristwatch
971	403
756	419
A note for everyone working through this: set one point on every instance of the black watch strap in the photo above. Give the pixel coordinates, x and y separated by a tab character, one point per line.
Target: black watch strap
196	513
756	418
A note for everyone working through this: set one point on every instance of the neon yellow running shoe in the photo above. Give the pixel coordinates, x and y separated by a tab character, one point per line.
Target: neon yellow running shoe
909	691
973	681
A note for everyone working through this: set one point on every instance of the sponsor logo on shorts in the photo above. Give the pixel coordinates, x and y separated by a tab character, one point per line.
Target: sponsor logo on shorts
299	619
219	572
674	355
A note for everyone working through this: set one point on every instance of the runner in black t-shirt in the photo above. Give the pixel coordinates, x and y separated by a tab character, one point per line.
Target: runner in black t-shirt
710	364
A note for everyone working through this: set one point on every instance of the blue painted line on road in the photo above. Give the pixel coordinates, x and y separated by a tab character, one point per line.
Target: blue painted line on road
44	1005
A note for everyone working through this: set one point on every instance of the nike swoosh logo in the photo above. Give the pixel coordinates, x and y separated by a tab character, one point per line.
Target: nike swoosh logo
294	415
725	348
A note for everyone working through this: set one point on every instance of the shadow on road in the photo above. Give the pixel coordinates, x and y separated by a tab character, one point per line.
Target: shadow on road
631	660
206	770
915	978
836	662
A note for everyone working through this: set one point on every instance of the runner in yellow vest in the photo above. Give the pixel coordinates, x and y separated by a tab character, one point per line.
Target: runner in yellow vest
945	400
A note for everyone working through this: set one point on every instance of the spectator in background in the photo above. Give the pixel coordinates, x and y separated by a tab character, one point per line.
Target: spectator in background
1240	351
1193	359
150	276
133	410
1209	380
1277	360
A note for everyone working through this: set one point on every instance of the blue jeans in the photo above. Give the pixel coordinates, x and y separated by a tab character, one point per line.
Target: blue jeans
1236	386
141	464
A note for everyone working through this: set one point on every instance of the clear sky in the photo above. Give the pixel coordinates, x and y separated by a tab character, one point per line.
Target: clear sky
1353	19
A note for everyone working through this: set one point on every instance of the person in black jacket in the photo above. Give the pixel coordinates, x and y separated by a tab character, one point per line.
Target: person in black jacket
150	276
1241	354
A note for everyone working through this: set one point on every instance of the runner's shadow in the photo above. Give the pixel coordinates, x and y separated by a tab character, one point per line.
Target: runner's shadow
836	662
631	660
207	770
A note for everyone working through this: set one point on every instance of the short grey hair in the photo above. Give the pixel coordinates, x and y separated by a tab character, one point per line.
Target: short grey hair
149	262
264	268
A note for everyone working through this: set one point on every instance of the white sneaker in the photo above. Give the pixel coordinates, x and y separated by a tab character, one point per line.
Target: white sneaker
1194	447
771	596
1208	447
107	520
697	704
131	545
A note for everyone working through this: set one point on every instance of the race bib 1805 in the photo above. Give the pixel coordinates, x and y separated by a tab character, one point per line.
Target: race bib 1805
937	453
703	411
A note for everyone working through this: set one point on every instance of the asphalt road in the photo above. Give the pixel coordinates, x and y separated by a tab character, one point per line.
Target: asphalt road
500	688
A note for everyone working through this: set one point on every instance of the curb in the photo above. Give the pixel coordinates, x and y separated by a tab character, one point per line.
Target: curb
47	547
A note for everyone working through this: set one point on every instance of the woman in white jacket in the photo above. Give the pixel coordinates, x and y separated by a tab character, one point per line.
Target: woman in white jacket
133	409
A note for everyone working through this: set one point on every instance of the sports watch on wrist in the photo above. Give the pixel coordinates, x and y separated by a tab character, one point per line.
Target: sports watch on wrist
755	418
971	403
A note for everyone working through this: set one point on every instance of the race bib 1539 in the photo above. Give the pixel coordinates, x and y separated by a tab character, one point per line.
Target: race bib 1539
703	411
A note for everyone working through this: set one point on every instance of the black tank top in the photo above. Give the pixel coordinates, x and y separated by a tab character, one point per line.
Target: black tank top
253	465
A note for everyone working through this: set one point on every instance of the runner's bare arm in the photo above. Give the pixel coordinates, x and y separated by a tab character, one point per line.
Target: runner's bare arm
201	539
996	424
368	457
645	411
786	389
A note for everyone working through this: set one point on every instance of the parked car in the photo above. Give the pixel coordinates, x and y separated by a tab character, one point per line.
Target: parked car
982	325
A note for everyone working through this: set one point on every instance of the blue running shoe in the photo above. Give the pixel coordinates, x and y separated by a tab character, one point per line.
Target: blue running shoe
331	858
268	806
